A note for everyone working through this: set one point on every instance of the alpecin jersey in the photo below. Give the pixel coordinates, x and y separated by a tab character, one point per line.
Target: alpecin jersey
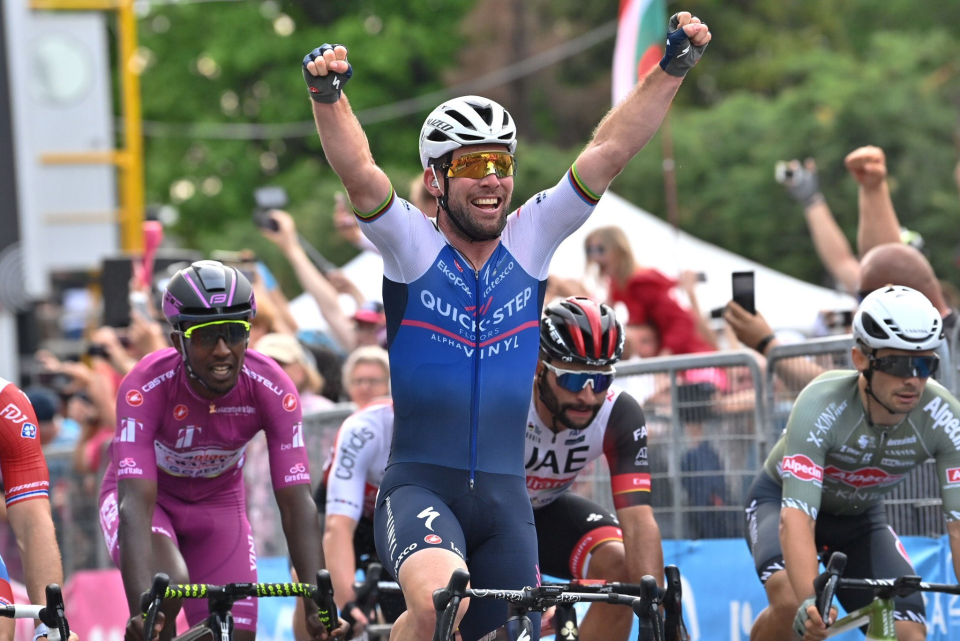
24	469
463	344
358	458
830	459
618	431
194	447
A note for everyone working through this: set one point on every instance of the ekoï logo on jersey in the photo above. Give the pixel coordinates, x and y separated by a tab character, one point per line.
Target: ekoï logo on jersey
801	467
864	477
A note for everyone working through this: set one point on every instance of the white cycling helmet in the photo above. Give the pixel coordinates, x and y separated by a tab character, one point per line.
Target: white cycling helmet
468	120
898	317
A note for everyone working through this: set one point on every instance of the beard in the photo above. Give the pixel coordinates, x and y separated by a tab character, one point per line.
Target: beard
559	410
469	229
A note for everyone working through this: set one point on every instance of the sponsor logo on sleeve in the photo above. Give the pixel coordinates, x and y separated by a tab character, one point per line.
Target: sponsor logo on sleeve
134	398
953	476
13	414
29	430
128	467
297	473
290	402
801	467
128	430
180	412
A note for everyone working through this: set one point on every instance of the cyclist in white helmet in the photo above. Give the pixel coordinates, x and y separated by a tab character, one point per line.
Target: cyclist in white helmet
851	438
462	298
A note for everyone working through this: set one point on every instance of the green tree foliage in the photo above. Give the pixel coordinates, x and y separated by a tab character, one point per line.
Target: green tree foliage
782	79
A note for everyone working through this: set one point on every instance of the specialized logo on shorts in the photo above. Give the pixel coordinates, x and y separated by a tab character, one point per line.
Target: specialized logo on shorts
953	475
801	467
29	430
290	402
429	514
134	398
180	412
432	539
864	477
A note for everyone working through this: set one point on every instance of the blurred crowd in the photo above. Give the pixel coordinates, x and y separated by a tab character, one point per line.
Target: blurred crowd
73	390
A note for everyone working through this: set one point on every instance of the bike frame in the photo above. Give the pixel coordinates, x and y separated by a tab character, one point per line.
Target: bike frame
877	615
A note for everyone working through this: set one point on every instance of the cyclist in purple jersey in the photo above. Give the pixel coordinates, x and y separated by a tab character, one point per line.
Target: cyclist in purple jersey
462	296
172	498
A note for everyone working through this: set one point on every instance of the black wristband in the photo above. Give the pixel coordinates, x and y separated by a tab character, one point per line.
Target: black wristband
345	612
764	343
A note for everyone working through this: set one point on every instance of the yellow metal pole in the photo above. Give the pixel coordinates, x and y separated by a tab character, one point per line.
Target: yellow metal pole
132	193
129	159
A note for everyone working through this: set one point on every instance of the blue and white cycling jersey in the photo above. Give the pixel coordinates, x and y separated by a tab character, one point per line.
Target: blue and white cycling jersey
463	344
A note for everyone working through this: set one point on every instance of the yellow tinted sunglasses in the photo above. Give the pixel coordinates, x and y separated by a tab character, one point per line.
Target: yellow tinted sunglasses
480	164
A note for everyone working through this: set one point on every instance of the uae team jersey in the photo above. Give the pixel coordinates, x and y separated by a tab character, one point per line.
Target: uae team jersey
463	343
194	447
618	431
21	460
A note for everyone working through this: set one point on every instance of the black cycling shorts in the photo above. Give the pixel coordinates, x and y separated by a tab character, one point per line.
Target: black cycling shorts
872	547
424	506
569	529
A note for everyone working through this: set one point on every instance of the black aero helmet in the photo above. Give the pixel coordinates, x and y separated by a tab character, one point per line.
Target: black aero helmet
581	330
208	291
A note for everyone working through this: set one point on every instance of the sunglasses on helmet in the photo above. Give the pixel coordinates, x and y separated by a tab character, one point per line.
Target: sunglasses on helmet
207	335
480	164
907	366
575	380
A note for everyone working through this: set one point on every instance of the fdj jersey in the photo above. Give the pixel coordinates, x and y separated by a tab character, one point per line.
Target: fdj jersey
831	460
464	343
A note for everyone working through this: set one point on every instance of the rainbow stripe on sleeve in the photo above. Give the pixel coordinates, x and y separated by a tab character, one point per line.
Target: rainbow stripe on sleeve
379	211
582	190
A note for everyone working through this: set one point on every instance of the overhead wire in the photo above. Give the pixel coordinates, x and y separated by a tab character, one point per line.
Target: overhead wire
273	131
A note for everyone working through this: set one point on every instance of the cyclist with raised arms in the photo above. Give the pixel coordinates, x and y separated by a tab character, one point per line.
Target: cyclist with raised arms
576	415
462	299
27	496
851	438
172	498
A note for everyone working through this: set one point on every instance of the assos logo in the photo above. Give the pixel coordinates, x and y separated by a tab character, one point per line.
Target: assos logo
802	468
297	473
290	402
134	398
29	430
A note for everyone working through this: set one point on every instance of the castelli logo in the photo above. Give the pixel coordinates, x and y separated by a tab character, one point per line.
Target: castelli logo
432	539
865	477
289	402
180	412
803	468
134	397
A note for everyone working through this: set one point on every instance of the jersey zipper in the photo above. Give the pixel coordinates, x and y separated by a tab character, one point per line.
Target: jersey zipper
475	410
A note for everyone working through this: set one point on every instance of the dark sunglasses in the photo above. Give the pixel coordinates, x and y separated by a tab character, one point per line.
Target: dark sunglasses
575	381
907	366
207	335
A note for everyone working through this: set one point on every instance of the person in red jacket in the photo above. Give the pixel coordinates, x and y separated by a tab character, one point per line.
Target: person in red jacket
646	293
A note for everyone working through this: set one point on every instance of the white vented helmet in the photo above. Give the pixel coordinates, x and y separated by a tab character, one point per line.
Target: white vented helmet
898	317
468	120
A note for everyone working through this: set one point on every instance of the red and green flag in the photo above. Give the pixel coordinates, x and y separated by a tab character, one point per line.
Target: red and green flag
640	37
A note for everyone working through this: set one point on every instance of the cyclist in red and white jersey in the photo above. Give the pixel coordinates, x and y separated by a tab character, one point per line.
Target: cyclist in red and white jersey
172	498
27	493
577	415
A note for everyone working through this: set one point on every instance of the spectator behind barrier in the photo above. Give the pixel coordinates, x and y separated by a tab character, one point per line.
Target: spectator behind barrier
645	292
330	368
370	324
366	374
299	365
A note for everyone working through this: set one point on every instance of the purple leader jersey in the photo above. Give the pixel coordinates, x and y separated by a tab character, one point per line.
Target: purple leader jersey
194	449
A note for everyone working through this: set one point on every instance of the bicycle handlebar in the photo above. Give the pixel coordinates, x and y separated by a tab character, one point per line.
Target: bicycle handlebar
825	585
52	614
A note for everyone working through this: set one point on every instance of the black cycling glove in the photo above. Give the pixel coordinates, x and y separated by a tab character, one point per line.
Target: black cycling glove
680	55
325	89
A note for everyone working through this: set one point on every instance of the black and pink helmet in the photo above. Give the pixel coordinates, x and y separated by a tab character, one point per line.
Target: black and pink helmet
581	330
208	291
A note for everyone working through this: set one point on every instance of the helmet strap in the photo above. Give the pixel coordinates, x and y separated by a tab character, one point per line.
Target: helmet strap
443	200
868	375
550	403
